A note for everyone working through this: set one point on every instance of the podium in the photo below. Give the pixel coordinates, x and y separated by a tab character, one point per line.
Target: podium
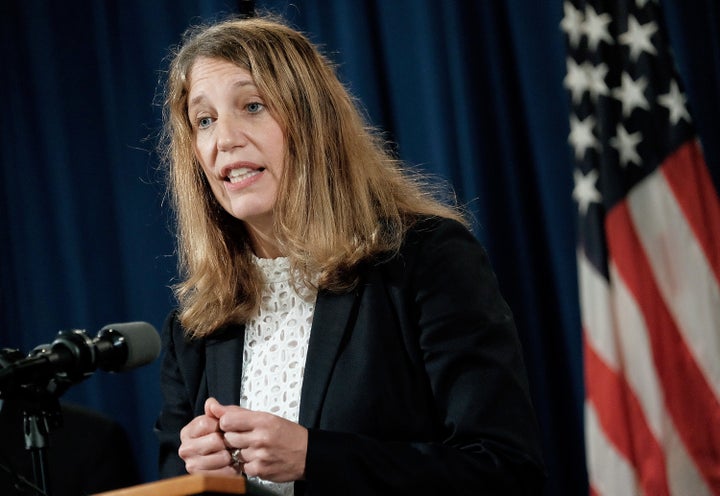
185	485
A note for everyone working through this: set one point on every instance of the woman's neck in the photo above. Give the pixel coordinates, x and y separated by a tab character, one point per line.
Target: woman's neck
265	245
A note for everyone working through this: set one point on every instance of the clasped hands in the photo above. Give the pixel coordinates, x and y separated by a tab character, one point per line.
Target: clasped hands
229	440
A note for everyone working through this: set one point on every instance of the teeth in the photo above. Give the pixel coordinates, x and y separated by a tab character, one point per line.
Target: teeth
237	175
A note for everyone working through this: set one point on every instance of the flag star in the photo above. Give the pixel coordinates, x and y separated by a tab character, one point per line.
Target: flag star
585	191
596	79
631	94
626	145
576	80
637	37
596	27
674	100
581	135
572	23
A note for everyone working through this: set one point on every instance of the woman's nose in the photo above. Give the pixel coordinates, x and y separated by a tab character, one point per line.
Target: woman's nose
231	134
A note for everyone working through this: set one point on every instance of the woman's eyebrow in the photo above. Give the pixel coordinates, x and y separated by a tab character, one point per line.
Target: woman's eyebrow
238	84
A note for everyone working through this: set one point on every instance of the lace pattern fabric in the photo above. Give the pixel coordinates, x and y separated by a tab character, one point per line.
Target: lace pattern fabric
276	342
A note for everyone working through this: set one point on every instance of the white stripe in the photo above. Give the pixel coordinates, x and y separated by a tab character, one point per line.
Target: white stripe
683	477
595	312
609	473
639	369
630	352
638	364
683	273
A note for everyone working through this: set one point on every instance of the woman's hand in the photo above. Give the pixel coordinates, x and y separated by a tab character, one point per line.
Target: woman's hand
203	446
270	447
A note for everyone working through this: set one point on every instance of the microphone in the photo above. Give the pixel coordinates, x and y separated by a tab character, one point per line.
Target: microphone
73	355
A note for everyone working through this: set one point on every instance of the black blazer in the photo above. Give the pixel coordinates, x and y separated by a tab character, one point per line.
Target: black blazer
414	382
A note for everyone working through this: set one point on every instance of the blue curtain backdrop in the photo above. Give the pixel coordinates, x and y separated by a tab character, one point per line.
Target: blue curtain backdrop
469	90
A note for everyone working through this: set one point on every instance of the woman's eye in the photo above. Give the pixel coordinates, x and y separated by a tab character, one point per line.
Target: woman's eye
254	107
204	122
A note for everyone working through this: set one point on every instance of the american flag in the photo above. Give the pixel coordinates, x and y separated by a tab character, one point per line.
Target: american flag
648	258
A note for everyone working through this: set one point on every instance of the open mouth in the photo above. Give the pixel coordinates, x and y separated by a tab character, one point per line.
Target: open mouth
242	173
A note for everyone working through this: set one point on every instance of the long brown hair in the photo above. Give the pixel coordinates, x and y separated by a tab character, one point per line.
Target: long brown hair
343	198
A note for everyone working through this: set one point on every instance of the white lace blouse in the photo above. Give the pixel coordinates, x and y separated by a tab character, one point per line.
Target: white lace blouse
276	342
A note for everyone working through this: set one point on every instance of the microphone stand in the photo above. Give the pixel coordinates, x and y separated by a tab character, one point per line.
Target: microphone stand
39	418
40	407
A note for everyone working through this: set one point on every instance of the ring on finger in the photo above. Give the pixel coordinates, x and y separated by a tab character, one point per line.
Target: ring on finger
235	456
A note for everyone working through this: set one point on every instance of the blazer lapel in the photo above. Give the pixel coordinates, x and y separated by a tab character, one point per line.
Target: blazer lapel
330	323
224	364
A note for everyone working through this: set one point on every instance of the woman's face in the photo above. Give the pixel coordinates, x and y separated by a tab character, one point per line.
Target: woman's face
239	144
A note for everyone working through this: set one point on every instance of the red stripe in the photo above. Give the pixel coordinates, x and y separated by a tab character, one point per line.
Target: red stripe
690	181
622	420
689	399
592	491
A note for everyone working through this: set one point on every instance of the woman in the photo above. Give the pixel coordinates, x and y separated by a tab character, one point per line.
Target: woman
339	330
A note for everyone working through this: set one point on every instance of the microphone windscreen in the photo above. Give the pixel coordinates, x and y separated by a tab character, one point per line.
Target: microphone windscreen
142	341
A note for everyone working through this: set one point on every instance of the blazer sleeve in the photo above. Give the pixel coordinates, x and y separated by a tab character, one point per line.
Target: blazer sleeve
486	442
181	373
